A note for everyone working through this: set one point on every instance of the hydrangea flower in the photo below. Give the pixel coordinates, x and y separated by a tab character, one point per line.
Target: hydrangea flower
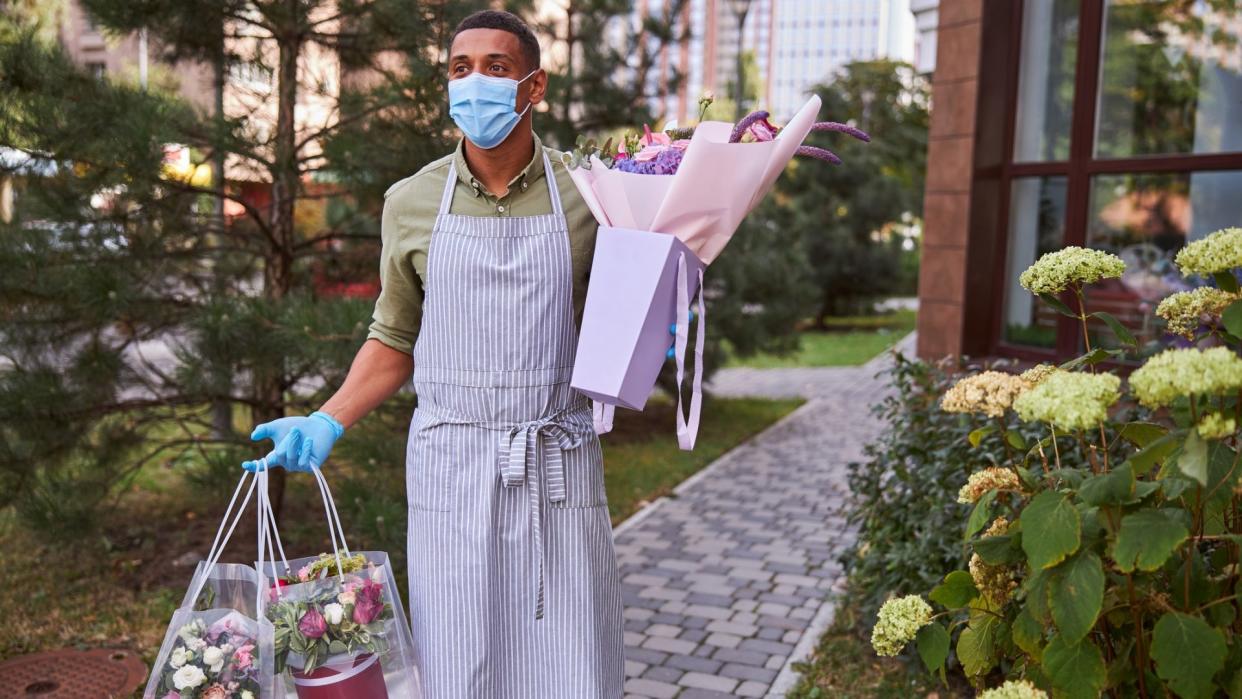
1070	401
995	582
1219	252
989	393
1055	271
980	482
898	622
1184	311
1216	426
1015	689
1186	372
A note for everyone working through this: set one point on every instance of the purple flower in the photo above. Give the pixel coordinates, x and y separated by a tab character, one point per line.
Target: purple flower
368	603
312	624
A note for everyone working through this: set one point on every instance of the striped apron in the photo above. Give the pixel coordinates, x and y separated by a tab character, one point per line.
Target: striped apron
514	590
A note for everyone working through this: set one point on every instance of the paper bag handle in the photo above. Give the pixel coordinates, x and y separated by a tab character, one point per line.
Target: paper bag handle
688	427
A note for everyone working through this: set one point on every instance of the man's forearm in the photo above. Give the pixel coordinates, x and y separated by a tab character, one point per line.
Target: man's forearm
378	371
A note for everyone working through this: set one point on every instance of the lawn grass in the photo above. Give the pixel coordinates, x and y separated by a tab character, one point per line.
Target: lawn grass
117	586
844	666
847	342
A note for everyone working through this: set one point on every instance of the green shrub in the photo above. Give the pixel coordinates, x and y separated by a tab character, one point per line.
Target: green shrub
1105	557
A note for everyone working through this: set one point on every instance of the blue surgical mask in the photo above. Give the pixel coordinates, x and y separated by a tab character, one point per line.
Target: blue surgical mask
483	107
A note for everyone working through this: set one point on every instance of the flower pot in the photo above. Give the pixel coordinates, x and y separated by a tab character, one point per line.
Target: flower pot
359	677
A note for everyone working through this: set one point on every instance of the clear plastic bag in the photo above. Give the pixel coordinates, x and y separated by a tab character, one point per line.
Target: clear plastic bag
340	628
218	645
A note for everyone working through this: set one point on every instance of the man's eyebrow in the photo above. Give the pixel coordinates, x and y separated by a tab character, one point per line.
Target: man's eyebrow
465	57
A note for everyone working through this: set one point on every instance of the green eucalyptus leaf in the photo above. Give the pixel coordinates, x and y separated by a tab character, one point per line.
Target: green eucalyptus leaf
1052	529
1147	538
1188	653
932	642
1077	587
957	590
1124	336
1113	488
1193	461
1075	668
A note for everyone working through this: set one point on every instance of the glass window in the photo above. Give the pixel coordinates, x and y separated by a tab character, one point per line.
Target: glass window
1145	219
1046	80
1036	226
1170	78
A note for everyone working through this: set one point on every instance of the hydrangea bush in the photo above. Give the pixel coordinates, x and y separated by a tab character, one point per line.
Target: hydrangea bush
1105	554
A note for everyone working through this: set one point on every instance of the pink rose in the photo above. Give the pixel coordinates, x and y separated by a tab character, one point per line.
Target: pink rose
648	153
312	624
304	573
215	691
243	656
368	604
172	695
652	138
762	130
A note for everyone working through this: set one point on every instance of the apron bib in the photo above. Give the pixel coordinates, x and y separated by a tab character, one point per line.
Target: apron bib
514	589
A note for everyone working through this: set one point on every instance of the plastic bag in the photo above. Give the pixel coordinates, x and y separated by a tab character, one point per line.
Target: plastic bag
340	629
218	645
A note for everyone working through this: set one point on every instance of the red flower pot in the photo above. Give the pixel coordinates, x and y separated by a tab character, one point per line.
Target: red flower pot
361	679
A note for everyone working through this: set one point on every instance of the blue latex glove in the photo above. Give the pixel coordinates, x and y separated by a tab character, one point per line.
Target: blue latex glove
672	330
301	442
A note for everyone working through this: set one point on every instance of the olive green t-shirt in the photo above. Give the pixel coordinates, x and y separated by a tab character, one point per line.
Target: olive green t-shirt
410	208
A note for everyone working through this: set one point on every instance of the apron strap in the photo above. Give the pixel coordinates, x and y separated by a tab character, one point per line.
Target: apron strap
450	183
553	191
688	427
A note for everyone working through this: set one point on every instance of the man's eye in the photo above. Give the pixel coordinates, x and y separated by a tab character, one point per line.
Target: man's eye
498	68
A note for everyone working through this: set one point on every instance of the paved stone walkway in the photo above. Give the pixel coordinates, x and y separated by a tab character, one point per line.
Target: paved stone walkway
727	581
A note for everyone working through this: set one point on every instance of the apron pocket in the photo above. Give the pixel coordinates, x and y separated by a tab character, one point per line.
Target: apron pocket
584	476
431	467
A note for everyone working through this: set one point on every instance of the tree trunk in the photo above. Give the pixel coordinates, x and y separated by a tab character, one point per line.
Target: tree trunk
278	267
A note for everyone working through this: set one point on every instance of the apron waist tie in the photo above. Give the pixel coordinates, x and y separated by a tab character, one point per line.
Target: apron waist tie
550	438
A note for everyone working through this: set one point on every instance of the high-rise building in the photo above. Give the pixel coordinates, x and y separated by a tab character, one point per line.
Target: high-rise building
796	44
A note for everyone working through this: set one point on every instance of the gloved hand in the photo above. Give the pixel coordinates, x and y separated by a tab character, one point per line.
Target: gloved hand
301	442
672	330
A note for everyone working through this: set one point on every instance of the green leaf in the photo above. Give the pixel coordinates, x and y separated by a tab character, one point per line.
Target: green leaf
1077	595
978	644
976	436
1231	318
1140	434
1147	538
1015	440
1051	529
1092	358
957	590
1113	488
1076	669
933	645
1028	634
1193	462
1005	549
1155	452
1058	305
1188	652
1226	281
981	515
1175	486
1036	587
1124	336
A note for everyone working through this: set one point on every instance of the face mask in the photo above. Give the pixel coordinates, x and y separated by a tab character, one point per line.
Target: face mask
482	106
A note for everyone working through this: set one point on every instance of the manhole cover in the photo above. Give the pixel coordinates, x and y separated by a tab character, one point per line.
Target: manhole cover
72	674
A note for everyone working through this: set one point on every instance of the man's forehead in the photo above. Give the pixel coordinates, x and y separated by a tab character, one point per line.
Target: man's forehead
485	42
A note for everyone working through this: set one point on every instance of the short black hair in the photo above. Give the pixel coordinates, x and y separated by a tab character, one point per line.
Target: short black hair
507	22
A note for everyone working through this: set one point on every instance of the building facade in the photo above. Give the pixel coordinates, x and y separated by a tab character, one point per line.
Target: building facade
796	44
1109	124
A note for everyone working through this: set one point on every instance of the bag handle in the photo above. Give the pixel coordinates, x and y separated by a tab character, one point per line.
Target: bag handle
688	427
329	508
268	535
601	416
222	537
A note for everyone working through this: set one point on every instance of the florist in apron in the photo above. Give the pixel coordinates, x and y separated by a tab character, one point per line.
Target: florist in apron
514	590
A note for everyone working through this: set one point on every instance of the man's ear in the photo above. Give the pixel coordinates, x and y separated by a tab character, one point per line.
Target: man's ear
538	86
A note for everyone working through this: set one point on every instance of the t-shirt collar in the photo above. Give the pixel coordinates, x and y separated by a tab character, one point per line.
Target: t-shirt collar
520	182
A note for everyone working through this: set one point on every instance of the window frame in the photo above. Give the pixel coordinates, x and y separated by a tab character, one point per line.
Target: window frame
1078	170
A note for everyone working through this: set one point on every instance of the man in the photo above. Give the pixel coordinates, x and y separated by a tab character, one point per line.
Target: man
514	589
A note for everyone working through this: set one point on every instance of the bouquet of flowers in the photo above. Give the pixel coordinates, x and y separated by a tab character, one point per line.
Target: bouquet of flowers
212	661
667	204
339	628
218	645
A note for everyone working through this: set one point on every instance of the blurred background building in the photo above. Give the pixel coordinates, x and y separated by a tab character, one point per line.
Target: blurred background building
1109	124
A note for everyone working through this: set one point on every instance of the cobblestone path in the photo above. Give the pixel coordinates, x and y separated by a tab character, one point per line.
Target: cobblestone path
728	580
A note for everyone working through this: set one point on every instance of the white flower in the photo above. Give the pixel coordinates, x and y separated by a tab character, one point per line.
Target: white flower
188	677
178	658
213	657
347	597
192	630
247	694
195	644
333	613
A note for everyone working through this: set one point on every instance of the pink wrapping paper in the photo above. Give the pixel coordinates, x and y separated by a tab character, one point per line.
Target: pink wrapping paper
715	186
